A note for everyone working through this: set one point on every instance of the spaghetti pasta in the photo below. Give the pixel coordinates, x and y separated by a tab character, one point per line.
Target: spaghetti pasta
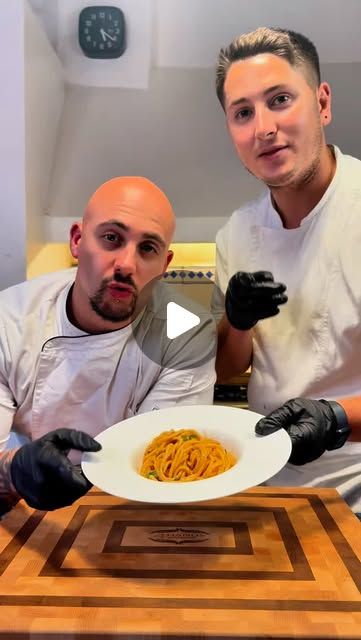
184	455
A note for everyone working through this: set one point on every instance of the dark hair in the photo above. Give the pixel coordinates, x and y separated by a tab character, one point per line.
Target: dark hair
294	47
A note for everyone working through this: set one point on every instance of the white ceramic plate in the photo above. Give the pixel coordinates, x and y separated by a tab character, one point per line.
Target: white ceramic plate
114	468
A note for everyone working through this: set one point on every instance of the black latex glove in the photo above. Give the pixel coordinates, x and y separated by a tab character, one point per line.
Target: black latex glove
42	473
311	425
251	297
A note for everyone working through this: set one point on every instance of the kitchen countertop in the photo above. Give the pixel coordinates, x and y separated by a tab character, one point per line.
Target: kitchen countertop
269	562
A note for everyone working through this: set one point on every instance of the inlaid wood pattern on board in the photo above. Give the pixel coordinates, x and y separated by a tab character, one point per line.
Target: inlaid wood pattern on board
276	563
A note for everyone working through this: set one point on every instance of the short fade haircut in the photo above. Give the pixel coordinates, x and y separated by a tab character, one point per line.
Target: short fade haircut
294	47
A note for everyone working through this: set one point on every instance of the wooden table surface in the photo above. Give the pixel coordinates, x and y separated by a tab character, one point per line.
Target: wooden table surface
267	563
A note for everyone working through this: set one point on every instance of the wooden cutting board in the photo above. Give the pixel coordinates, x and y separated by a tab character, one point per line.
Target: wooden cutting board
274	563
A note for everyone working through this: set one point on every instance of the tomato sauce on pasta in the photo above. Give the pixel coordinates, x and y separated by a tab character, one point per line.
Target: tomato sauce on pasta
184	455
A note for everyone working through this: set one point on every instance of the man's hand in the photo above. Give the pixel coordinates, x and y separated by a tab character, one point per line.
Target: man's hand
42	473
314	426
251	297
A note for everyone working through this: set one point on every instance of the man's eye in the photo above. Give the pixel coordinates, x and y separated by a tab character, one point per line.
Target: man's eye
242	114
148	248
281	100
111	237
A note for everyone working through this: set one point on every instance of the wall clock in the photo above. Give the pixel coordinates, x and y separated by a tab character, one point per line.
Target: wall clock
102	32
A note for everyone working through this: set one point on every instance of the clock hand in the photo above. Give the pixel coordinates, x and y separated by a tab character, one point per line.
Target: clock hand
106	35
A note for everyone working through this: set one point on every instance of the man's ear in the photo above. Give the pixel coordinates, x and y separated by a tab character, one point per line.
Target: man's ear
324	101
169	258
75	238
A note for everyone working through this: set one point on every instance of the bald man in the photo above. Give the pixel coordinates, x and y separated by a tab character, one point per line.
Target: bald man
85	348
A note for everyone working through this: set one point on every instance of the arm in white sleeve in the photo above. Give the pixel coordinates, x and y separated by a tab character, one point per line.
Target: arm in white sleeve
188	370
222	275
193	386
235	347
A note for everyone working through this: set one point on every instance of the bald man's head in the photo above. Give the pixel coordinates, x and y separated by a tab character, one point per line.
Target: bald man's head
135	196
122	246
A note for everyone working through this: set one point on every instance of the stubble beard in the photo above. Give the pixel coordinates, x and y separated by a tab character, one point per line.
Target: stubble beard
112	312
297	179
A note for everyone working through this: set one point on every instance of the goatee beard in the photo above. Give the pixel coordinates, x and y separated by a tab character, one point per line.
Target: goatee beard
111	312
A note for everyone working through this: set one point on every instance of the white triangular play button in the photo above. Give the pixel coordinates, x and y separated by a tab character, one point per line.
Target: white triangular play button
179	320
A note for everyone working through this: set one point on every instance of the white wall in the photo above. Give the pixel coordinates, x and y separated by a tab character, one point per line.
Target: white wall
44	98
191	32
46	11
12	156
31	102
174	134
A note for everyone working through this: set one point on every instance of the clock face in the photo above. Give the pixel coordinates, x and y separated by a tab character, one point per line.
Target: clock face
102	32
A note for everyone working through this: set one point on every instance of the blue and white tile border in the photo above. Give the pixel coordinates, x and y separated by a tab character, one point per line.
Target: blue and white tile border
194	274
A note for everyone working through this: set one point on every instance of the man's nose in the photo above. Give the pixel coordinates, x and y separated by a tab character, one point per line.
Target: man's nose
125	260
265	124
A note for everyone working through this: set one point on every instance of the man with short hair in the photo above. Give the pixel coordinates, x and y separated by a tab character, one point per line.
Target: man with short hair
85	348
288	263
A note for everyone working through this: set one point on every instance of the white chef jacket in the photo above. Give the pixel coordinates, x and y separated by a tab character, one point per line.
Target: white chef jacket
313	347
53	375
